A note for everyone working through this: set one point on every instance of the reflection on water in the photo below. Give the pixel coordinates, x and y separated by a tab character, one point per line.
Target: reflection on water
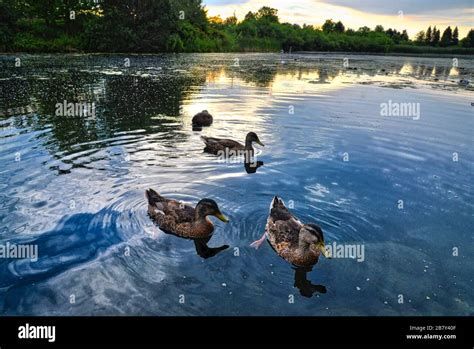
74	186
252	166
307	289
205	251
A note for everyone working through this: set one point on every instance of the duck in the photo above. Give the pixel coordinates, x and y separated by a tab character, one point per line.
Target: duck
202	119
230	147
181	219
298	243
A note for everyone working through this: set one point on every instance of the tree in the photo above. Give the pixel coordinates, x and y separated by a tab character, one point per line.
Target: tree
8	18
364	30
468	41
339	27
328	26
455	39
395	35
379	29
435	35
250	16
428	36
232	20
405	36
184	26
420	37
267	13
447	38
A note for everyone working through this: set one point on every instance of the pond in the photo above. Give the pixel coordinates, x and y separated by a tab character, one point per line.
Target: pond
377	150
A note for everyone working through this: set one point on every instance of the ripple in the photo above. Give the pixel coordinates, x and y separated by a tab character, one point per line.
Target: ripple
77	191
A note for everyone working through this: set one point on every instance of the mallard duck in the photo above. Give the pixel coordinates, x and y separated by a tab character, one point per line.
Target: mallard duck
231	147
181	219
298	243
202	119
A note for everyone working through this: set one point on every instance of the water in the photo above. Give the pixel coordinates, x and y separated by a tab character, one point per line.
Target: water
74	186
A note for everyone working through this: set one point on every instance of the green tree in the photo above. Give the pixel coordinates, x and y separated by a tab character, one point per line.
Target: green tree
420	37
232	20
468	41
435	37
339	27
250	16
428	36
455	36
405	36
9	14
183	26
447	38
267	13
329	26
379	29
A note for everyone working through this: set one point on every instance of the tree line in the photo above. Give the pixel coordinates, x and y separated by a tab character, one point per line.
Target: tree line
450	37
183	26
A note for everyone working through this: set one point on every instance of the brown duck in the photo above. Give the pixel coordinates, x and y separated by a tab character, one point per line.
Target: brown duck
298	243
217	145
181	219
202	119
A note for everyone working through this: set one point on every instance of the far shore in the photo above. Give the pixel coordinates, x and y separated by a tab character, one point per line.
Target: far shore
469	55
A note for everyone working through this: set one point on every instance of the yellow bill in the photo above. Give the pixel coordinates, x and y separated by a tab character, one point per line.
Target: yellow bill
221	217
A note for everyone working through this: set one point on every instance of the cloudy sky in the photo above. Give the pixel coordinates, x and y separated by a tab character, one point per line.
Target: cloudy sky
413	15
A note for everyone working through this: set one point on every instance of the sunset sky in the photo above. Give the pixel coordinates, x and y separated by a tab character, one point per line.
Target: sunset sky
413	15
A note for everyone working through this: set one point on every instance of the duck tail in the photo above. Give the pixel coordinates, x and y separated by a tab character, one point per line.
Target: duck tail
276	202
204	139
153	197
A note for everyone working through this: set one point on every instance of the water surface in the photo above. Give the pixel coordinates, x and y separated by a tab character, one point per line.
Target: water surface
74	186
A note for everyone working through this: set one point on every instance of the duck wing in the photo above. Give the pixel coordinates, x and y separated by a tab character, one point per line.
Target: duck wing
171	211
182	212
282	227
221	143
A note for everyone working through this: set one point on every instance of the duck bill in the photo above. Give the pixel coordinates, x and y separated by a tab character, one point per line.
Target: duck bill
260	143
323	250
221	217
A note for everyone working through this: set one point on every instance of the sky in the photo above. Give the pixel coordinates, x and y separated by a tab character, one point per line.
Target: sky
412	15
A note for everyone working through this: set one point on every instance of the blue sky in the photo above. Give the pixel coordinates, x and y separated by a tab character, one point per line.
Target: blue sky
413	15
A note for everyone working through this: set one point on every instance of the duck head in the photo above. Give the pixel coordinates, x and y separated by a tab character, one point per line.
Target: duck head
252	137
312	235
208	207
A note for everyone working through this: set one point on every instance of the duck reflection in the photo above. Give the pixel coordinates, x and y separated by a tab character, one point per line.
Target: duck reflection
251	166
205	251
299	244
307	289
182	220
